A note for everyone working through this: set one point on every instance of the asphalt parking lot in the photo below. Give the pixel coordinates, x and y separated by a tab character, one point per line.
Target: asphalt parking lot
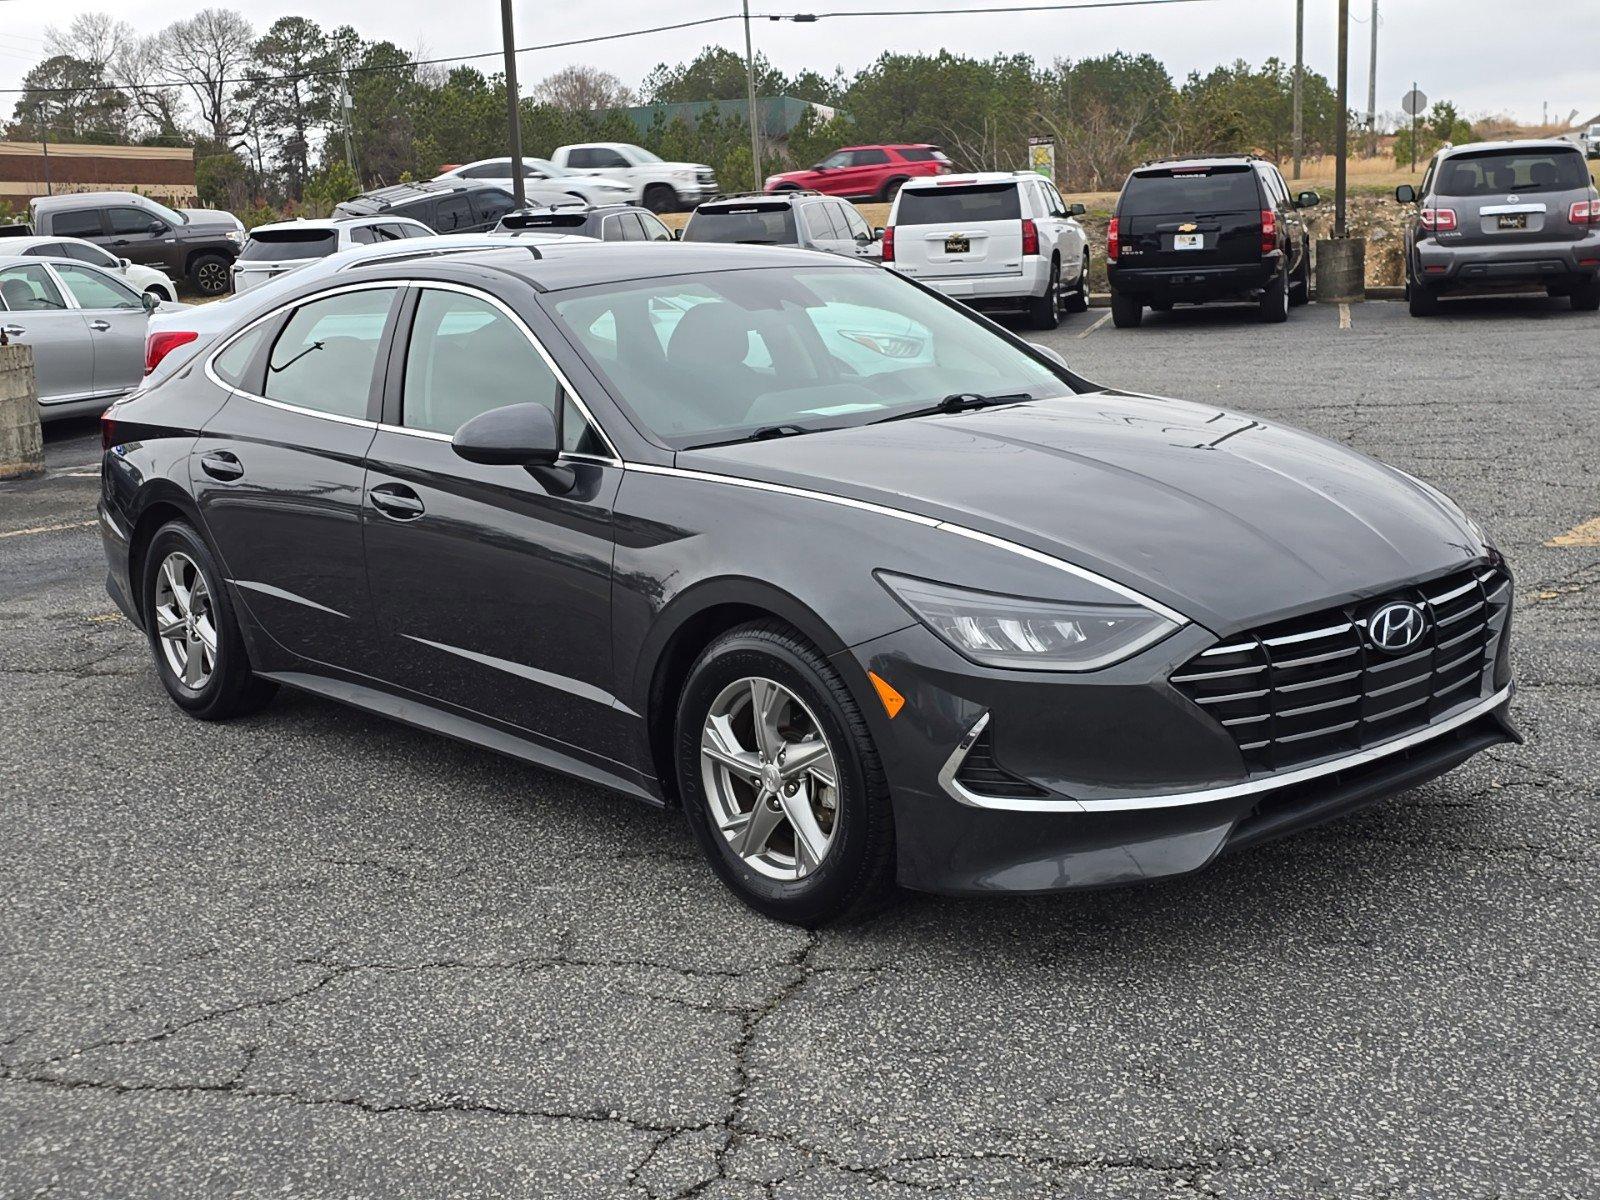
312	953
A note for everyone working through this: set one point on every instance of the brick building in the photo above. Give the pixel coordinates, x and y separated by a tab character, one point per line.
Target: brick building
29	169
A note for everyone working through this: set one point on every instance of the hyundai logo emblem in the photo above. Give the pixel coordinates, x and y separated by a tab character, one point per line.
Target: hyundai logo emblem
1397	626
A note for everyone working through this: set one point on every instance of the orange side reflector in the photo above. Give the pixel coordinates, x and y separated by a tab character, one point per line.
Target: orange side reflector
893	701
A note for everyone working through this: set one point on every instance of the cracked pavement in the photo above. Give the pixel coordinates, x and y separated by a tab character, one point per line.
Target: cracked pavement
312	953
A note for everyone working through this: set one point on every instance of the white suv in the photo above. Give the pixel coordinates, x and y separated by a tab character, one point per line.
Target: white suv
995	240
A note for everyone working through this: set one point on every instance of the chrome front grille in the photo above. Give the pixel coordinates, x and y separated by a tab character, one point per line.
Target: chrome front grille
1313	687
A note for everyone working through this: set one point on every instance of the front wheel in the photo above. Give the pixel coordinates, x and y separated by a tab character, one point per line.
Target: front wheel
208	274
1044	312
780	779
659	198
1126	312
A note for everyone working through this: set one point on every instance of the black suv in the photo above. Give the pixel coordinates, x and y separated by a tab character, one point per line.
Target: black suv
607	222
444	206
1197	229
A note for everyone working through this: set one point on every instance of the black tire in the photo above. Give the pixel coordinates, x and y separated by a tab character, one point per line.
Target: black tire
1275	298
1044	312
232	688
857	873
1421	301
660	198
1077	300
1585	295
1300	281
890	189
209	274
1126	312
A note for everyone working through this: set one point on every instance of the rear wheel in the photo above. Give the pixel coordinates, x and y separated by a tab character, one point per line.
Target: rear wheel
1300	281
208	274
1126	312
1585	295
1275	299
890	189
1044	312
1421	301
194	636
660	198
780	779
1077	300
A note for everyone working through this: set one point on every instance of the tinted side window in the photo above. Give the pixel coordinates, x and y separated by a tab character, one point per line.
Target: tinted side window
77	222
417	210
606	158
364	235
491	204
84	252
30	289
581	158
47	250
854	223
93	289
453	213
870	158
233	362
324	357
488	170
654	230
131	220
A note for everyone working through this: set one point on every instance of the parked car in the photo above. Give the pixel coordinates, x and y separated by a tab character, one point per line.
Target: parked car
557	537
660	186
543	175
193	244
1503	212
1197	230
865	172
997	240
791	217
1590	140
605	222
284	246
140	278
86	327
453	206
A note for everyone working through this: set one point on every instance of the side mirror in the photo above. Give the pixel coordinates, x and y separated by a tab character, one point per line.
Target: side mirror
877	233
1076	210
124	263
155	228
518	435
820	167
1406	194
677	234
1053	355
150	301
864	238
1307	200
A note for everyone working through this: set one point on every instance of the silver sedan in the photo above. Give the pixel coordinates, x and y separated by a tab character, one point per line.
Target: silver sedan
86	327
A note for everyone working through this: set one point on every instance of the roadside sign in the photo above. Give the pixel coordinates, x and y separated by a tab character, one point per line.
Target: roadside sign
1414	102
1042	157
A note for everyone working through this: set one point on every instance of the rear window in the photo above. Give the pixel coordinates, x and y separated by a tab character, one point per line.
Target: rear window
749	224
1208	190
959	205
1496	172
276	245
923	154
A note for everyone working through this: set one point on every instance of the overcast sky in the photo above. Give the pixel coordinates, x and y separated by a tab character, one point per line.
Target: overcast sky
1486	55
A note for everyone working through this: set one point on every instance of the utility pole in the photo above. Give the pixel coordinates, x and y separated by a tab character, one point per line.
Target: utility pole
750	100
1299	71
1342	129
1372	87
513	107
345	105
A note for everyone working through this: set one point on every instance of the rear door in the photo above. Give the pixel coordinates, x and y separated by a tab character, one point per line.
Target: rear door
1191	217
115	316
1513	195
961	230
38	314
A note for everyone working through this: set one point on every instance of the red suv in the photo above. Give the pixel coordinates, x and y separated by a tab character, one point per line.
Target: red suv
865	172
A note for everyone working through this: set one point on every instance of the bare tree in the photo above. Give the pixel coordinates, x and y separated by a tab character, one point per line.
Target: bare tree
139	64
92	37
583	89
207	54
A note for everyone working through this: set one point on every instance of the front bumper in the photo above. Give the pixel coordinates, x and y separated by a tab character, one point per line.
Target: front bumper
1118	777
1442	265
1196	283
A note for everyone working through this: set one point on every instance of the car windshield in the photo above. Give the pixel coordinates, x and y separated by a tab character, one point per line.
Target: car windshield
752	224
170	216
943	204
720	356
545	167
1502	172
1190	190
643	155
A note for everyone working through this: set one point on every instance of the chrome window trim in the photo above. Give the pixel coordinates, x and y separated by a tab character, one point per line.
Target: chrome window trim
1232	791
66	288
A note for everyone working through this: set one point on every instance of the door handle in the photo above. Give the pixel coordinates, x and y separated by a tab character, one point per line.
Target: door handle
14	331
223	465
396	501
99	326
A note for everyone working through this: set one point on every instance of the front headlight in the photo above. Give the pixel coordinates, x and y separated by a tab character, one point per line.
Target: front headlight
236	236
1030	635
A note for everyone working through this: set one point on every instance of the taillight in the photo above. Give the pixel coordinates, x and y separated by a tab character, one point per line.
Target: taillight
1440	220
888	244
162	343
108	431
1584	212
1113	241
1030	236
1269	231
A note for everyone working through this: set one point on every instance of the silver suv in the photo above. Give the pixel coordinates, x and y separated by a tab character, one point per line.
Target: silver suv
806	219
1503	212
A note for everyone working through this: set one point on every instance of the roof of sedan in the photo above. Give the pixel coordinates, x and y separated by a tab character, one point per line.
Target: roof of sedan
616	262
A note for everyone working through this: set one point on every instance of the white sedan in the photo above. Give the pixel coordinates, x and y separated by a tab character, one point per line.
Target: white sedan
140	278
589	188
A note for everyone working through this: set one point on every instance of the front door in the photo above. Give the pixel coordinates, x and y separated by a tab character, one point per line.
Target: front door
137	235
279	471
115	316
492	586
37	314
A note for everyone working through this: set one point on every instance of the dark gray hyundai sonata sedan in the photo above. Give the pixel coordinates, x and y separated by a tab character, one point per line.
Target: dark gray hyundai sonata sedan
874	590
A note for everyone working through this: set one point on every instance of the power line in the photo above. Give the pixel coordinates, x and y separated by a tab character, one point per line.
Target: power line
606	37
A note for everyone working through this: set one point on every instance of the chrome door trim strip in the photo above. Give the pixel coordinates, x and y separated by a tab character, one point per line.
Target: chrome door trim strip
278	593
933	523
1232	791
561	683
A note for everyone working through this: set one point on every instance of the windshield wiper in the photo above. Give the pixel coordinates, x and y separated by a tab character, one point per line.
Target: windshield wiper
765	433
958	402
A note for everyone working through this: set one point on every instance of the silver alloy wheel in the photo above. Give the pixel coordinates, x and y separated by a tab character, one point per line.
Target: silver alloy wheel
185	623
770	778
212	277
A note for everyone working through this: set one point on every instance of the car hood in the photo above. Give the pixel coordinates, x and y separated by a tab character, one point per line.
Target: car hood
677	166
210	218
1231	520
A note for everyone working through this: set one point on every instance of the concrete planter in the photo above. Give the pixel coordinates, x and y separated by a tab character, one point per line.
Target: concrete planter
21	440
1341	270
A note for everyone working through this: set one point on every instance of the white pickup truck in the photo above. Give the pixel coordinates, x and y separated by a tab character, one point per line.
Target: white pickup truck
659	186
1589	139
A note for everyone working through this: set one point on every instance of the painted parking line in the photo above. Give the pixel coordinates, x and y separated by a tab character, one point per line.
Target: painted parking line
1586	533
11	533
1095	326
1344	316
